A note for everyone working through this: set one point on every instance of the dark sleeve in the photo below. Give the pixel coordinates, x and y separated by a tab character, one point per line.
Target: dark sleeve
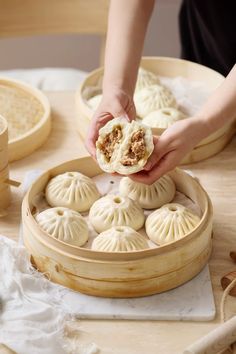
208	33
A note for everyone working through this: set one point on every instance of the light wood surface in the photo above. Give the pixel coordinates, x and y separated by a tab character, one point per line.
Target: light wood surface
26	17
217	176
40	17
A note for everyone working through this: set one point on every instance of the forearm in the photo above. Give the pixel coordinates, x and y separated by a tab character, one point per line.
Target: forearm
127	25
220	108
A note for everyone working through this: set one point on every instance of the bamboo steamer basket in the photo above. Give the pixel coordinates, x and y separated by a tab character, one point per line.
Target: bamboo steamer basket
3	143
33	132
168	67
119	274
5	192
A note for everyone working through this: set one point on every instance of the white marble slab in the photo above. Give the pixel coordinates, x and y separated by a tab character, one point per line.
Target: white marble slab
192	301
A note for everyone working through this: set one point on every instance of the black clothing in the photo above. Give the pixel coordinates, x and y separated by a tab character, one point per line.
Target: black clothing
208	33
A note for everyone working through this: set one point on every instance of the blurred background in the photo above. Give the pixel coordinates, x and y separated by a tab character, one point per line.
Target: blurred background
82	51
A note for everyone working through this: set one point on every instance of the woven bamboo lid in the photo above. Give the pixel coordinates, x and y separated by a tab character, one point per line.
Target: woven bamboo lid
27	112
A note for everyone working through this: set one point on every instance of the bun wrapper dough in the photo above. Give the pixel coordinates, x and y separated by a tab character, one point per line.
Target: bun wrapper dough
170	223
152	98
72	190
114	210
149	196
64	224
145	78
163	118
119	239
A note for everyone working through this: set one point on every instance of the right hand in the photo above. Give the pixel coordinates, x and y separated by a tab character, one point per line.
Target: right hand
115	103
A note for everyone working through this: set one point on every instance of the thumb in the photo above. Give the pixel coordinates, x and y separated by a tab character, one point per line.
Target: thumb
131	112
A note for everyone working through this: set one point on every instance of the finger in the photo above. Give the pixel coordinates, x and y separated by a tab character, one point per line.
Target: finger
90	142
117	174
149	177
131	112
90	147
153	159
164	166
160	149
97	123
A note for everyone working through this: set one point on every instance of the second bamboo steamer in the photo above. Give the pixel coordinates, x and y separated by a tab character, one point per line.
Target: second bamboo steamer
166	67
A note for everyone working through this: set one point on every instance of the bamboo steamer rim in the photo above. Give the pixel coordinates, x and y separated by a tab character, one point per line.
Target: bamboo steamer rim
4	171
37	94
99	71
74	251
4	125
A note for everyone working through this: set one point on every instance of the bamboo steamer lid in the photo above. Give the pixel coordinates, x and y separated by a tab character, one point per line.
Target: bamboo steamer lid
28	114
3	143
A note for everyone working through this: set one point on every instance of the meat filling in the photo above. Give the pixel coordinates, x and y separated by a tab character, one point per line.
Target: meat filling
110	141
136	150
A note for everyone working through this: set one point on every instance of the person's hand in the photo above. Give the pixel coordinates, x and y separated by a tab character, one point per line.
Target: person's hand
114	104
170	148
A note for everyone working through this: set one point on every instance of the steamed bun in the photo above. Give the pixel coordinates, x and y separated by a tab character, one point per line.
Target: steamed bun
163	118
145	78
149	196
152	98
119	239
170	223
72	190
65	225
114	210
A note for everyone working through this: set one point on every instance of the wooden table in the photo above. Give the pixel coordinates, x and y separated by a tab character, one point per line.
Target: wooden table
217	175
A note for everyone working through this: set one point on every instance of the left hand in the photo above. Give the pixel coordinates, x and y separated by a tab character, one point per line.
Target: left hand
170	148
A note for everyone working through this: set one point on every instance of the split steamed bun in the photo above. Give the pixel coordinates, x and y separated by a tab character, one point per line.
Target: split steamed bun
124	147
119	239
65	225
72	190
114	210
149	196
163	118
152	98
170	223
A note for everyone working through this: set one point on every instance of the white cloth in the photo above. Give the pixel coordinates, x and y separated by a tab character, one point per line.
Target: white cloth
48	79
31	320
32	313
